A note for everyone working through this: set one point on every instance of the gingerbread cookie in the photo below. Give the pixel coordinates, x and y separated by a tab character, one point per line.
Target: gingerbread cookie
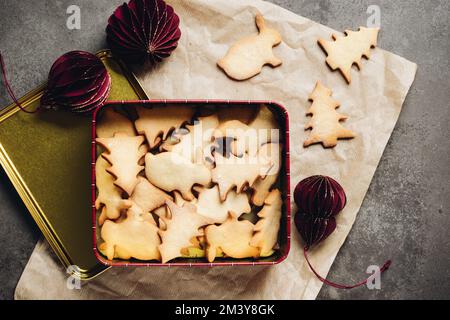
134	237
325	121
156	123
210	205
147	196
238	172
247	56
109	196
262	129
172	139
124	154
112	122
266	127
169	171
163	212
199	138
232	237
261	187
231	131
181	227
243	113
345	51
266	229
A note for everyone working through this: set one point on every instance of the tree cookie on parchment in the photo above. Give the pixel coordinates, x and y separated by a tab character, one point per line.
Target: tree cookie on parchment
345	51
325	121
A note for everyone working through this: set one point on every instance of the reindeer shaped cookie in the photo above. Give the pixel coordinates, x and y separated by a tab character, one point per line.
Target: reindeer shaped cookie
246	57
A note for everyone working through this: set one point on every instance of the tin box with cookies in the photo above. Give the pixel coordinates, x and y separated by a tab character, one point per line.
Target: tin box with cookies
191	183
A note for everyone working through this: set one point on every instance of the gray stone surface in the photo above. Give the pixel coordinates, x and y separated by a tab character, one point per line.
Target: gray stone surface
406	214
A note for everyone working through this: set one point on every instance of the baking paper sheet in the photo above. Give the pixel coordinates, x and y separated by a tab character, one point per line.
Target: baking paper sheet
373	103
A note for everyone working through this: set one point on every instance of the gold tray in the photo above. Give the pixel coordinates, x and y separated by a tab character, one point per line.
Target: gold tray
46	158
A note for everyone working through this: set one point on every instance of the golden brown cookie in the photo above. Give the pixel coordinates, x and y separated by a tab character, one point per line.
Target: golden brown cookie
238	172
124	154
147	196
261	187
113	122
325	121
262	129
134	237
210	205
169	171
345	51
109	196
156	123
267	130
232	237
267	227
247	56
243	113
198	138
182	225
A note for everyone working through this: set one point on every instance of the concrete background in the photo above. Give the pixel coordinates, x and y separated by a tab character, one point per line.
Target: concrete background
406	214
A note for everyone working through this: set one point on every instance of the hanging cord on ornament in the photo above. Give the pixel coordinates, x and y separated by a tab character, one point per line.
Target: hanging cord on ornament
9	89
385	266
319	199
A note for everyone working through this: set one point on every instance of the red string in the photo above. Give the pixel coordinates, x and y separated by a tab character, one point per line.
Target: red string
385	266
9	89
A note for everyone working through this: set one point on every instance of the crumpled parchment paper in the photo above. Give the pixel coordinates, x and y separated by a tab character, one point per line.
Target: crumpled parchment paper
373	103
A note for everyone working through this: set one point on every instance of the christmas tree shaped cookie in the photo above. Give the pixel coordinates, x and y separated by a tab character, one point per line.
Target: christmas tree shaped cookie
182	225
262	186
124	153
325	121
109	196
157	122
345	51
266	229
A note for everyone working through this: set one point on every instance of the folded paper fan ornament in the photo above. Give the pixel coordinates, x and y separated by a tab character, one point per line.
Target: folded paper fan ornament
319	200
143	31
77	82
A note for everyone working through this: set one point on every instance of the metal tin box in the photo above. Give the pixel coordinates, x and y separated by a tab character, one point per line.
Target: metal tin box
283	183
45	157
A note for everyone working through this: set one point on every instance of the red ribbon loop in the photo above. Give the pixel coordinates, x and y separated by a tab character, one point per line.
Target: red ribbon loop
9	89
385	266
